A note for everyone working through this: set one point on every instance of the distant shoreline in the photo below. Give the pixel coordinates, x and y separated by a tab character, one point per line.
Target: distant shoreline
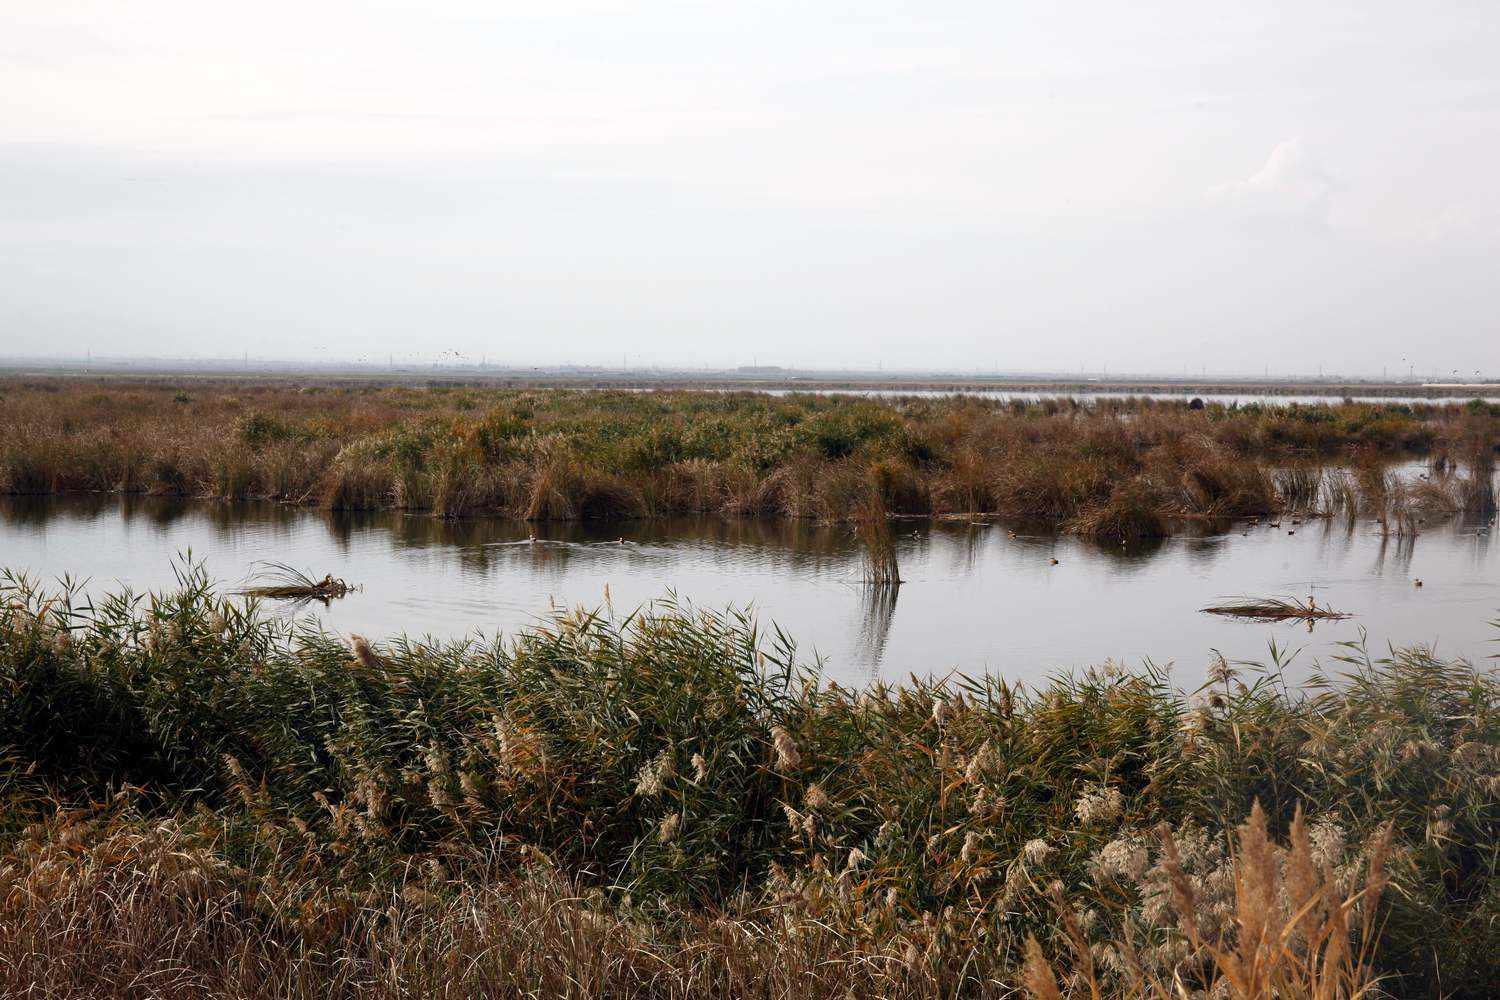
678	380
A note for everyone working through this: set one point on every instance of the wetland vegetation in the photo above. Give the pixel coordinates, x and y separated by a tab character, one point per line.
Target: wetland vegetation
202	797
203	800
1111	468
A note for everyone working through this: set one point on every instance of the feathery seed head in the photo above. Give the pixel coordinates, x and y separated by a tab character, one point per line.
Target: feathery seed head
787	757
364	652
1037	851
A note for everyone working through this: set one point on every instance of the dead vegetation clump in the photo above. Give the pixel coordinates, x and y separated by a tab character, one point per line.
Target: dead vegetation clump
1276	609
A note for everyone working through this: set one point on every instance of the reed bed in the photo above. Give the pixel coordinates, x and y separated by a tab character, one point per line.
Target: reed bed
198	799
1119	469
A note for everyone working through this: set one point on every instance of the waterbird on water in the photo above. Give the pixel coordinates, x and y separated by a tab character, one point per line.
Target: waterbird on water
1417	582
1054	562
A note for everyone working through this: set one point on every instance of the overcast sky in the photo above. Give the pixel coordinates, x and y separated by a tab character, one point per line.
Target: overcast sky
1029	185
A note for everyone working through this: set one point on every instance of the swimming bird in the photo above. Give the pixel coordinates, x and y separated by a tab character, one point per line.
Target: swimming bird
1417	582
1054	562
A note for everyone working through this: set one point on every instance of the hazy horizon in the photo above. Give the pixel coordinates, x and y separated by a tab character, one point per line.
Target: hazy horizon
1164	188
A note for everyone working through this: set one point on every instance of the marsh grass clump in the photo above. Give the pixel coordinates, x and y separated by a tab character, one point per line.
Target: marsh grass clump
1129	514
672	803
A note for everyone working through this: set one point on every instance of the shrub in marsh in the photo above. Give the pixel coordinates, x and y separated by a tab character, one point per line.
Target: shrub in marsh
498	434
257	430
654	449
835	434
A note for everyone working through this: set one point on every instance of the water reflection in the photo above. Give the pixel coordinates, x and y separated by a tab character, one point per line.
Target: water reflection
878	602
976	597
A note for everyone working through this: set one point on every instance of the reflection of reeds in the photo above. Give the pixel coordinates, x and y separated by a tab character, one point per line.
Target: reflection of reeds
879	607
1275	609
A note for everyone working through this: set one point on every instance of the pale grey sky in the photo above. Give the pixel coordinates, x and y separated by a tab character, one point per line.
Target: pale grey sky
1148	186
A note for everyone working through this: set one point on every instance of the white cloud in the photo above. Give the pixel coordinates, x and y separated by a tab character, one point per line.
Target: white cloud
1291	183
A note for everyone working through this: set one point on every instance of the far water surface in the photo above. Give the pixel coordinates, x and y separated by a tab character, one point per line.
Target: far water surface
974	599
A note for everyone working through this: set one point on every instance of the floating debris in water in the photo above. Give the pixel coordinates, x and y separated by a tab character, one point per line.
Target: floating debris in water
286	583
1274	609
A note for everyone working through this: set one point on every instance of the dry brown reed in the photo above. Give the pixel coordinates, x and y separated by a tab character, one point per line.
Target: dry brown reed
1297	929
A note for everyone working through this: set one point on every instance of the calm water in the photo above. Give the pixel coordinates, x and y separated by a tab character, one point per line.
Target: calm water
975	599
1223	399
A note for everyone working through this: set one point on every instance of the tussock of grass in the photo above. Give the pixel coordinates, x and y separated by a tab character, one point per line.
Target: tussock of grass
670	804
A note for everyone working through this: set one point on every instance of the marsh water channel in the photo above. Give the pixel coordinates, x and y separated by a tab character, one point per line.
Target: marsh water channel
974	598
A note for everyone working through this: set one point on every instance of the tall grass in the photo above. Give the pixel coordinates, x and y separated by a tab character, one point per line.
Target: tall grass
1117	468
200	798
